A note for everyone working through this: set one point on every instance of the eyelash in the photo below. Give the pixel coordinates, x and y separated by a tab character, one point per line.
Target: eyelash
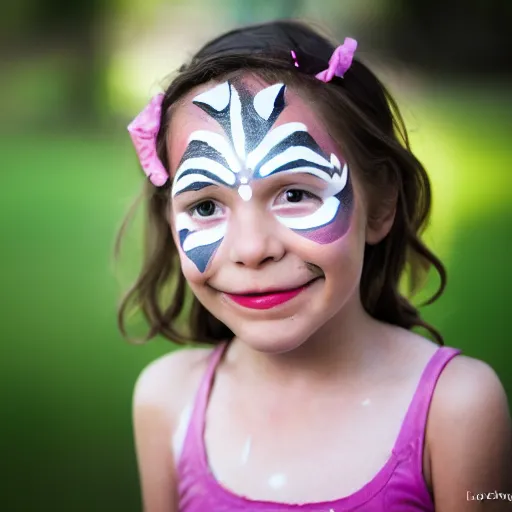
193	210
306	193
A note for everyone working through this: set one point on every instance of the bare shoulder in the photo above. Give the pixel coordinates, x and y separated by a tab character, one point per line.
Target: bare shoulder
469	394
408	353
469	432
162	391
467	387
171	380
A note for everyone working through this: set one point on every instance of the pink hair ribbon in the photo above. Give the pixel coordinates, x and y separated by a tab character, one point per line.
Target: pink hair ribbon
294	57
340	61
143	131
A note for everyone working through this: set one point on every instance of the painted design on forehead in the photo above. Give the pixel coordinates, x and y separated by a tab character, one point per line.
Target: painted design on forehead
210	158
254	150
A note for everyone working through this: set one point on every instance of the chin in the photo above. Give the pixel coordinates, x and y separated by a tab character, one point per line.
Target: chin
271	338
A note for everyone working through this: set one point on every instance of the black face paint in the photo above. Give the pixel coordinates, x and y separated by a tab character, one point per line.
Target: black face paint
254	150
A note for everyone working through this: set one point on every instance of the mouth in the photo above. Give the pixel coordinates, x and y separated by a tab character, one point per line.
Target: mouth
269	298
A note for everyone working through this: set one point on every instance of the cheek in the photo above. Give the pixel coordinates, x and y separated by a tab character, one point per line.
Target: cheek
338	246
342	264
196	279
330	222
197	245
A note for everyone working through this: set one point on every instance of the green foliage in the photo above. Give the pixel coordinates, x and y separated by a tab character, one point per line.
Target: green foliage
70	374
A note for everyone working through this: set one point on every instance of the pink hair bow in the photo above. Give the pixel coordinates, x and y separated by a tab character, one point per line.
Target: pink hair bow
143	131
340	61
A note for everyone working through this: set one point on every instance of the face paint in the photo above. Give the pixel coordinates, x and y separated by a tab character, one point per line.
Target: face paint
178	439
246	452
246	120
255	151
199	245
277	480
332	220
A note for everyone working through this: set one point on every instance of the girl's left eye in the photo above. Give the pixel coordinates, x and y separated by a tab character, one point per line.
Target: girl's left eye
206	209
296	195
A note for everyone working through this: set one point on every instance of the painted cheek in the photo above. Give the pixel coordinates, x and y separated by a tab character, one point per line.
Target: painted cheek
338	224
199	245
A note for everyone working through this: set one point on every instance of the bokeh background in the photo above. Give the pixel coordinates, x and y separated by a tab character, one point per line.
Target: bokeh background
72	76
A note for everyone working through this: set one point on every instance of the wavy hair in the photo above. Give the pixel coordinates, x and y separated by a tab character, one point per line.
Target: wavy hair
362	117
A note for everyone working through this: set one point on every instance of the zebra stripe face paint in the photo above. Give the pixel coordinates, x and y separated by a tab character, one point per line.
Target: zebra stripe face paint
253	149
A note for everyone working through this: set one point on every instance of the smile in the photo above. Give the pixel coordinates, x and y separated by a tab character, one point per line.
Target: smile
267	300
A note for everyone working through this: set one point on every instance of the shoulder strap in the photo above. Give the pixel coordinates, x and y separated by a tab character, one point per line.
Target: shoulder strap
195	427
206	384
413	426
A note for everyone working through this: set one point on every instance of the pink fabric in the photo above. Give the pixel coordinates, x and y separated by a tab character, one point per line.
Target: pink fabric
143	131
398	487
340	61
144	128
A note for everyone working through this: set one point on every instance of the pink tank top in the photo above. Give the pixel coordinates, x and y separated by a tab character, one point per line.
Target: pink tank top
398	486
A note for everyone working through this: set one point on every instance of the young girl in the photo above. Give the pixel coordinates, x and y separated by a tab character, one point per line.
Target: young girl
282	192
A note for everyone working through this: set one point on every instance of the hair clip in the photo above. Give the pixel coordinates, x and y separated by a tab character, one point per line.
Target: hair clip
294	57
143	131
340	61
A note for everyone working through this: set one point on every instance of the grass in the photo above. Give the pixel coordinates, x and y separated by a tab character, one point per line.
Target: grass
68	375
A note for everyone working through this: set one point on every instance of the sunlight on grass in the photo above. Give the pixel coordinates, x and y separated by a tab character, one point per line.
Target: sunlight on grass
467	164
72	373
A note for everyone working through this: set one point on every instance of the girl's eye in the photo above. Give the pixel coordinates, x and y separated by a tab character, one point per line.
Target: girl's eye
296	202
295	195
204	209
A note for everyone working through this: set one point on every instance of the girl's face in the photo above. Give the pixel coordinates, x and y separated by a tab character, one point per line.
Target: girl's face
267	217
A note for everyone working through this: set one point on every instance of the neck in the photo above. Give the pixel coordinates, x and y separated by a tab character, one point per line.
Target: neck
350	341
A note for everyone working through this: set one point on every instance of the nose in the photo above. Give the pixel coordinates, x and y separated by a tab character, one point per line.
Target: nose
253	240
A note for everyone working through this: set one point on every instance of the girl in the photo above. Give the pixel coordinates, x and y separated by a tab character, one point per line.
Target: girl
283	193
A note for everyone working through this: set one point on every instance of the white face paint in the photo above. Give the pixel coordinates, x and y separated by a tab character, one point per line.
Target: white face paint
198	239
255	150
277	481
178	439
246	452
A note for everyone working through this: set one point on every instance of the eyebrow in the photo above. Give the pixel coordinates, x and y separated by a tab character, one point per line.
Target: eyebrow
205	162
194	184
286	149
211	159
297	152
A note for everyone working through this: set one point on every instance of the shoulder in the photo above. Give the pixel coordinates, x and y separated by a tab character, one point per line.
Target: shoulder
170	381
469	431
469	400
466	388
161	392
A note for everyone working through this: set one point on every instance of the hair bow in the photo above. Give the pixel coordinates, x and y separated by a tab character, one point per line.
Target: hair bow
340	61
143	131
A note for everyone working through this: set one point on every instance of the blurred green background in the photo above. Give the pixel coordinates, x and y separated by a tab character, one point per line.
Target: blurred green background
72	76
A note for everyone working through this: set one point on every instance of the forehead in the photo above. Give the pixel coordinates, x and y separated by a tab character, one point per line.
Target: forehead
187	118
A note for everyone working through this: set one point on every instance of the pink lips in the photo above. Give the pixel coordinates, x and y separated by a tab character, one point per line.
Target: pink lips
266	300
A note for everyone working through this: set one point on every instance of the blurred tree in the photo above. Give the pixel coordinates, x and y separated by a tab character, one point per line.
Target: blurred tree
37	32
453	36
75	28
254	11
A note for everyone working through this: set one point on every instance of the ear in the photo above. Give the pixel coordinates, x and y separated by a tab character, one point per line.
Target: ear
380	223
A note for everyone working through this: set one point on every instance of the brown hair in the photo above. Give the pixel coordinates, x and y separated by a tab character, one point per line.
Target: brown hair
362	117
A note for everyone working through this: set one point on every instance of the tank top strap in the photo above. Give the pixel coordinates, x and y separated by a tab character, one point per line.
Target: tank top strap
413	426
197	417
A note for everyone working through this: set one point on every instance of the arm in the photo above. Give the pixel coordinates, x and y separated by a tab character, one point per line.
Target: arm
162	392
153	433
470	439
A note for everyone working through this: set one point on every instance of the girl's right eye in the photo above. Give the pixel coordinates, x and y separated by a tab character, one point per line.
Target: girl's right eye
204	209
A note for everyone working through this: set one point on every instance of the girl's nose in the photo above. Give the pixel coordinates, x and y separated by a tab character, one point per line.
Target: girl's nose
252	239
